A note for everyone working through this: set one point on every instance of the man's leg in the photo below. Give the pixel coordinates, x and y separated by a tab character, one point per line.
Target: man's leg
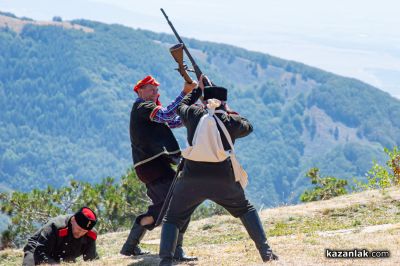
131	246
144	221
234	201
169	236
181	207
179	252
253	225
156	191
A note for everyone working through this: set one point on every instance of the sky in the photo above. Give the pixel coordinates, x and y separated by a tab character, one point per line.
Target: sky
353	38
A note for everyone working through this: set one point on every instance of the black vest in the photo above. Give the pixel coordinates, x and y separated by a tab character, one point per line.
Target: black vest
149	139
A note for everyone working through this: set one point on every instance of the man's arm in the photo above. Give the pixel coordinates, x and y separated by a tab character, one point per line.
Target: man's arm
168	114
185	108
45	244
90	252
175	123
243	126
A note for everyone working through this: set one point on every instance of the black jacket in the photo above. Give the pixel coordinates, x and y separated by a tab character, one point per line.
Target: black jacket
149	139
237	126
54	242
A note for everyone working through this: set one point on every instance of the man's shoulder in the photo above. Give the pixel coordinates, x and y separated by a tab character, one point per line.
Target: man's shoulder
197	110
60	221
144	105
234	116
144	108
232	119
92	235
57	225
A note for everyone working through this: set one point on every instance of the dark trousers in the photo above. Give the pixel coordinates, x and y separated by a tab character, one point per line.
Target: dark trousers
201	181
157	192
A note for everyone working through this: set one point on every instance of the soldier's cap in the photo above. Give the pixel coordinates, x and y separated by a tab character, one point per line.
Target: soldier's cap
147	80
86	218
215	92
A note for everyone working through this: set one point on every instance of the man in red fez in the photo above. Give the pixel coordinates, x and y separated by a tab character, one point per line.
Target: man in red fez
154	149
63	238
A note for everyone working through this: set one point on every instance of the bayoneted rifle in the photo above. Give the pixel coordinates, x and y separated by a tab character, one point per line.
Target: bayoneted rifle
177	54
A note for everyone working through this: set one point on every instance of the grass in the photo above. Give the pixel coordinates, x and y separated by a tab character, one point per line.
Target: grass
299	234
335	219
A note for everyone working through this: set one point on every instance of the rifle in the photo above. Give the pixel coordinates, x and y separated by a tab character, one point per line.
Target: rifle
177	53
169	195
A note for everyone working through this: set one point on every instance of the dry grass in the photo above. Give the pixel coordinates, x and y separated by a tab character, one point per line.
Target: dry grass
18	24
298	234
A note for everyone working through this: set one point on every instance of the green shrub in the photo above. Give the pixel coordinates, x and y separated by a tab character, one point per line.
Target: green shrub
325	187
382	177
115	203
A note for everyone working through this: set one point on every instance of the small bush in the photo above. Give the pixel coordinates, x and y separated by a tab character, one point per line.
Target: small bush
325	188
382	177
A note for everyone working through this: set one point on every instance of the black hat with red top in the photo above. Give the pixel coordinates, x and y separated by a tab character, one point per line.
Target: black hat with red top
86	218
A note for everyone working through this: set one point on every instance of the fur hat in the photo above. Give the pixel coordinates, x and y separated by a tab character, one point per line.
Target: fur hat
215	92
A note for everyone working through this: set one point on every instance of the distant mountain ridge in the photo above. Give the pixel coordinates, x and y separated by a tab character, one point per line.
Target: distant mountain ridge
66	94
17	24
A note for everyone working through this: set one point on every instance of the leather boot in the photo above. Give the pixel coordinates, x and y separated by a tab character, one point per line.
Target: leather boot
131	246
253	225
179	253
169	236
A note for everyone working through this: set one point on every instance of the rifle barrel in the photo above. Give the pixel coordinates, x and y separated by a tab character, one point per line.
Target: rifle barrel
195	66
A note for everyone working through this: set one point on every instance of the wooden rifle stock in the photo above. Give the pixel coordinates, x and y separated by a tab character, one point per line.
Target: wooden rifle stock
177	54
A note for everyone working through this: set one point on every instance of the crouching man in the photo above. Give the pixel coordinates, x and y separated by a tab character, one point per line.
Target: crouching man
63	238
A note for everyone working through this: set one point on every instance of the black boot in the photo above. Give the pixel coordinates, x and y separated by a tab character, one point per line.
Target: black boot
254	228
179	253
169	236
131	246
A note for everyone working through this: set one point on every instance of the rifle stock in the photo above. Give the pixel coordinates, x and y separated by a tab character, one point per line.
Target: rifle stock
177	54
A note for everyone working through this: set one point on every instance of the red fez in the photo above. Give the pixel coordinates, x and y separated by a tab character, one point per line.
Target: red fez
147	80
85	218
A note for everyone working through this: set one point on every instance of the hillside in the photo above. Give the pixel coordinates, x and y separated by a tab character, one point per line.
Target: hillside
299	234
17	24
66	94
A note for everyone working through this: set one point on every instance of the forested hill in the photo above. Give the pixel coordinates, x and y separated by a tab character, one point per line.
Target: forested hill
66	95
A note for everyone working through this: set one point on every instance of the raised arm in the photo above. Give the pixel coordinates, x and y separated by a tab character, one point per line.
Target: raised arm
185	107
168	114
